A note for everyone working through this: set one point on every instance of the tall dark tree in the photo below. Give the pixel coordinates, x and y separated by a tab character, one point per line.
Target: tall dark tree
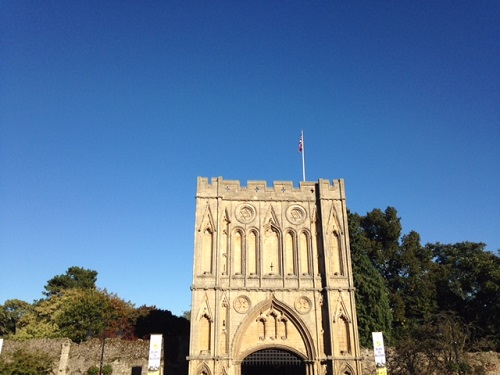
75	277
468	283
413	285
175	331
372	296
404	264
383	230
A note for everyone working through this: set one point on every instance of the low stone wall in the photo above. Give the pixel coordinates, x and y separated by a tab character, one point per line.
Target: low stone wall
131	357
126	357
121	354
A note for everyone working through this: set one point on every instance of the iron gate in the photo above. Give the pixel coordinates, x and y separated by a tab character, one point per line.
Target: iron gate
273	361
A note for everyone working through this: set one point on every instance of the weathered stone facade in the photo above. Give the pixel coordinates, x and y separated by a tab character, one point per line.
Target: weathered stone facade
272	277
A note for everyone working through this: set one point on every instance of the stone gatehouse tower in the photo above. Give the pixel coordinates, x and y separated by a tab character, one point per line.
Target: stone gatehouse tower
272	285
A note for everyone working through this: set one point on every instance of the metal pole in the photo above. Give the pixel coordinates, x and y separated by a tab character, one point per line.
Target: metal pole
303	157
102	351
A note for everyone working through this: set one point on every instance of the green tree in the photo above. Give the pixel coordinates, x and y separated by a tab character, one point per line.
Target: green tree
11	315
122	318
187	315
88	312
75	277
4	322
372	296
39	322
405	265
24	362
84	312
468	283
413	285
436	347
383	230
78	314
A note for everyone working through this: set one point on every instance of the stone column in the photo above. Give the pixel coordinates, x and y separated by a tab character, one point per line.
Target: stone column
237	368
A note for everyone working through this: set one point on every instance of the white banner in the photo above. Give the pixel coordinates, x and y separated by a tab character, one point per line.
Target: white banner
1	344
154	354
378	349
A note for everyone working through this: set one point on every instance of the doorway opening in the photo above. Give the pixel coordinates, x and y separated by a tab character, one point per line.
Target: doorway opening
273	362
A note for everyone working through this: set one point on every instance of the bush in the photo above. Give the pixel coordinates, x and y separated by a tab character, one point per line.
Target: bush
23	362
462	368
106	370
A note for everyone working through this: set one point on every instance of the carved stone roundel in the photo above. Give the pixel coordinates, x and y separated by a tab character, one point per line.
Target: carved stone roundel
241	304
302	305
245	213
296	214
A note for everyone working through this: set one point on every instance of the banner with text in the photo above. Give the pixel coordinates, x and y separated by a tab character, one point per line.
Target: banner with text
379	351
154	363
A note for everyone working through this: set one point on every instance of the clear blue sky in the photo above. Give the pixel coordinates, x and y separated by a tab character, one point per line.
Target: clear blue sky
109	110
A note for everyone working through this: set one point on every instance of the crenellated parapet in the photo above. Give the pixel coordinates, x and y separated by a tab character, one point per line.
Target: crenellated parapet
259	190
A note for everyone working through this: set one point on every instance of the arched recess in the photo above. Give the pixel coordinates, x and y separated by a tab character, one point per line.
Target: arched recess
336	253
203	369
272	245
346	369
205	334
342	324
274	361
253	252
204	322
343	335
206	250
254	318
271	256
290	253
335	234
237	243
305	253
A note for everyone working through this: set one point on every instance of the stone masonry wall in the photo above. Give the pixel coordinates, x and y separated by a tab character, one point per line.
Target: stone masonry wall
126	357
131	357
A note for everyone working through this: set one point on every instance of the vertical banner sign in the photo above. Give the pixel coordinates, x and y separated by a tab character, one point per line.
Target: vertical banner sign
154	354
1	344
379	351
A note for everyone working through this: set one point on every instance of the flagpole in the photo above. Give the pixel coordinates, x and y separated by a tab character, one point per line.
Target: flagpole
303	157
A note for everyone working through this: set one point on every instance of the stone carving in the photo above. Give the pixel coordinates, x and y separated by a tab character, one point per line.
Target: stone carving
245	213
296	214
302	305
241	304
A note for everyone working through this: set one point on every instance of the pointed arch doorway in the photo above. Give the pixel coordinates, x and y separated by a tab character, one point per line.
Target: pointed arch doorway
273	362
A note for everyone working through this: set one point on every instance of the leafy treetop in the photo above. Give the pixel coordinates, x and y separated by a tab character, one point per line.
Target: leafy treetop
74	278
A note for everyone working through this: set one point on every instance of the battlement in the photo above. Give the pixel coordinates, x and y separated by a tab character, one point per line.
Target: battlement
218	187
